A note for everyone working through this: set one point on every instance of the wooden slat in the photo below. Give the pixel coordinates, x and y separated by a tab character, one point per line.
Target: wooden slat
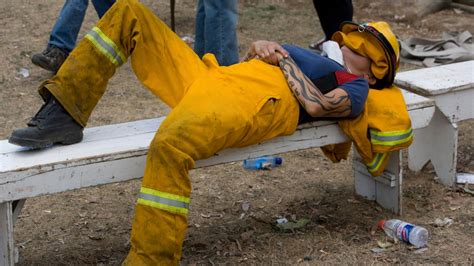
438	80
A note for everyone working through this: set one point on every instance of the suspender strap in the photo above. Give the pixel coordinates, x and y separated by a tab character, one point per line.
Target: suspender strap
326	83
331	81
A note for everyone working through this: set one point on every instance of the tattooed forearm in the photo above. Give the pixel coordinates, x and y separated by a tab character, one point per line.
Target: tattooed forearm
333	104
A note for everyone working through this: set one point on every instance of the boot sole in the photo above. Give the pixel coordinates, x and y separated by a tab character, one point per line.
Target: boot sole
40	144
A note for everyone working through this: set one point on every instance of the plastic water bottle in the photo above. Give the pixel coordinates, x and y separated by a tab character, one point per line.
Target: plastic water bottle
264	162
409	233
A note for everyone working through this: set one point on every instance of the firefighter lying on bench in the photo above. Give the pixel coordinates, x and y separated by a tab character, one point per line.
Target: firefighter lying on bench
213	107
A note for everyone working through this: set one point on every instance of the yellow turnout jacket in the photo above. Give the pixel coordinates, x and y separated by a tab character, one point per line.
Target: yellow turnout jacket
382	127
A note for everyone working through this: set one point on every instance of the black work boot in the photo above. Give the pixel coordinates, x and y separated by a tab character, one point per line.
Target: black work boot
52	124
50	59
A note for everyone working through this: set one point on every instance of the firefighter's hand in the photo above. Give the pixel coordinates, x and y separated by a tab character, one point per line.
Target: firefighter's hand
266	51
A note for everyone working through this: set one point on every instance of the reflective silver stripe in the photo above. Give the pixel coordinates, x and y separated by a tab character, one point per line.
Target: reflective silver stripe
374	164
106	46
165	201
390	138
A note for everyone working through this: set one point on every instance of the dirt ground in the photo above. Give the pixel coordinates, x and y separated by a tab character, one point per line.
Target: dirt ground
92	226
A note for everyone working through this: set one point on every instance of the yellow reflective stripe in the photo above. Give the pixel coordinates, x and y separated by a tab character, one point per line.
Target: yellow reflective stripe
163	206
102	50
106	46
390	133
390	138
164	194
164	201
109	42
375	164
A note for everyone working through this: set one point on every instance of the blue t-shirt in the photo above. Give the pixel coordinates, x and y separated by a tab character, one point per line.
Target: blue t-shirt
315	66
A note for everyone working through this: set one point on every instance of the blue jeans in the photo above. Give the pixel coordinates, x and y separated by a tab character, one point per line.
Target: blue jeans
216	23
65	31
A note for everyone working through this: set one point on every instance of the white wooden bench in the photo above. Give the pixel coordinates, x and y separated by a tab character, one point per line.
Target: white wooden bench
452	88
115	153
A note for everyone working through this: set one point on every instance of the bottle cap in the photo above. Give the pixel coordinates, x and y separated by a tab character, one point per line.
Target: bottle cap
381	224
278	160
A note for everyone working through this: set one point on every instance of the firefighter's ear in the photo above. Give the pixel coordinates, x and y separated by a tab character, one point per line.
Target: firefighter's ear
370	78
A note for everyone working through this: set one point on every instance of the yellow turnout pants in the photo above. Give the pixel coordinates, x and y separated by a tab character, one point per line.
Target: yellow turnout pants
213	108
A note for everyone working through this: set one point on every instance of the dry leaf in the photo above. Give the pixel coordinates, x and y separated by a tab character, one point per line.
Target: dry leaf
443	222
378	250
453	208
290	226
420	250
384	245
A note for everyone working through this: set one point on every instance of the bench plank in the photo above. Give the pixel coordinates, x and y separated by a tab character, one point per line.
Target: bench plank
438	80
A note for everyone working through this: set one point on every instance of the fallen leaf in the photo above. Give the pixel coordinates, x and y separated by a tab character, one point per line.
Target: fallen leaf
467	190
384	245
352	201
443	222
378	250
290	226
95	237
420	250
453	208
211	215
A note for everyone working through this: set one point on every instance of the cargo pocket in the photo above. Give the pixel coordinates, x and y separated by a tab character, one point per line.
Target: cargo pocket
267	105
265	122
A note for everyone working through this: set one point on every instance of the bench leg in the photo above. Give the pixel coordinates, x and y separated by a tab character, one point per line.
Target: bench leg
9	212
437	142
385	189
6	234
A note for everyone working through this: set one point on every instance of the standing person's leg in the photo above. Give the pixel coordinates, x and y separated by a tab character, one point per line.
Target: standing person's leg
101	6
67	27
219	30
63	35
199	40
332	14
